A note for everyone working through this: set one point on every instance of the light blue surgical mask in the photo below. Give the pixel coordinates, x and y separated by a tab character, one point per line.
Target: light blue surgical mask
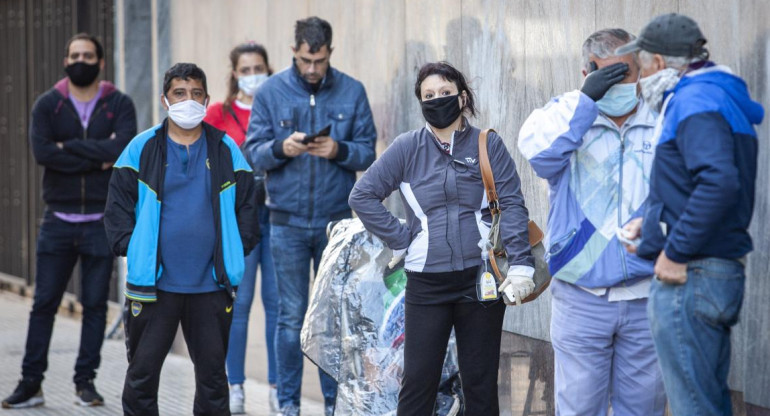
249	83
619	100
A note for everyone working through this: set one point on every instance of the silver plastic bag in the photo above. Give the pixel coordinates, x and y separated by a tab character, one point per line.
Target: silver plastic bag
354	326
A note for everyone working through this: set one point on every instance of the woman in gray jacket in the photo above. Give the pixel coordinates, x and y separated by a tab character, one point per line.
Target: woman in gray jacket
436	170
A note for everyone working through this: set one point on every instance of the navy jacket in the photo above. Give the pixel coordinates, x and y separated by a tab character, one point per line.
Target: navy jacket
310	191
73	180
132	217
702	181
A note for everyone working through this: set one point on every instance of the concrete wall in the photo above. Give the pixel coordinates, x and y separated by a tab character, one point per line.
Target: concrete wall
517	55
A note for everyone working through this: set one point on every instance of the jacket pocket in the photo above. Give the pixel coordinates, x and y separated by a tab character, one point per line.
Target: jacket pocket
341	119
718	294
287	123
559	244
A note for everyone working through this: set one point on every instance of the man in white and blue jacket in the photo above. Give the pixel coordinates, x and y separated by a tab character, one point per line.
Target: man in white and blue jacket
701	201
594	146
308	181
182	209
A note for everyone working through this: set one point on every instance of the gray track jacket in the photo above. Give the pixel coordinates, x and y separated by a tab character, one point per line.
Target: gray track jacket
446	206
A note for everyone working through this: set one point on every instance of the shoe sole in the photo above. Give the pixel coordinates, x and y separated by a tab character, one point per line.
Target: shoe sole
33	402
89	404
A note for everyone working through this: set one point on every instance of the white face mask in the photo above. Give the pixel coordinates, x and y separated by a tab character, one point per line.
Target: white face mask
249	83
655	85
186	114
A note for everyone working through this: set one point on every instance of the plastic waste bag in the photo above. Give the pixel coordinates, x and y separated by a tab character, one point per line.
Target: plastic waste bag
354	326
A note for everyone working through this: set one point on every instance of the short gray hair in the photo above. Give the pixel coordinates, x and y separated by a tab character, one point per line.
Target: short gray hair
602	44
675	62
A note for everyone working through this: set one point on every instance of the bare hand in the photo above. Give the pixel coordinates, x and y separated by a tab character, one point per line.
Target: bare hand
292	145
324	146
669	271
60	145
107	165
633	230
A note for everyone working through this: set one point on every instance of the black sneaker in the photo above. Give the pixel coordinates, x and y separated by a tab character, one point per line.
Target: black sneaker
27	394
87	395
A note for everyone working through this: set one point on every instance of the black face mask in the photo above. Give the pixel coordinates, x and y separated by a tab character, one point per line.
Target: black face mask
441	112
81	73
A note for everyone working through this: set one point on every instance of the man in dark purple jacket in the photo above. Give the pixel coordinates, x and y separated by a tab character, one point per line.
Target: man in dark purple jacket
77	131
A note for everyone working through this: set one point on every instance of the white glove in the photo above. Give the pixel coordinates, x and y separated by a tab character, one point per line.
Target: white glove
397	256
518	284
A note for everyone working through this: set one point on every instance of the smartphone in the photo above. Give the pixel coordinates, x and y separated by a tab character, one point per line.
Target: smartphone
323	132
621	234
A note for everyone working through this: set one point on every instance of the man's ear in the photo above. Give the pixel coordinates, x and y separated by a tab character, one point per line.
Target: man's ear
584	73
330	51
293	49
163	102
660	63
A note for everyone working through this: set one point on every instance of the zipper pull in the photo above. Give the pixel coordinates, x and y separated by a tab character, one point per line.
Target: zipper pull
312	100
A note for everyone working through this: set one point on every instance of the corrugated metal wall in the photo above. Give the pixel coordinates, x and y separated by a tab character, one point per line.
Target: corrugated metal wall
33	34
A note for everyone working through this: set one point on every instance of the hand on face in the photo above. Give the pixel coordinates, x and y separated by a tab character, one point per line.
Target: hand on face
598	82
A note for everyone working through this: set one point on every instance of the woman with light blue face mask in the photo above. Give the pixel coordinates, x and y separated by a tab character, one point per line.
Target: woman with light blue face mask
249	69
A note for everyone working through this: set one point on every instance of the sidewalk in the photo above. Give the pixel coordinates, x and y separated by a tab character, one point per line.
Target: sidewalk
177	385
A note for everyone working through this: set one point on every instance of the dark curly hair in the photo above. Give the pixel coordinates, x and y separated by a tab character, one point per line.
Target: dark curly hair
446	71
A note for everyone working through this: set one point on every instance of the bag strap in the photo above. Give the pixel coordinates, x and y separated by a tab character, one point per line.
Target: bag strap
486	173
235	117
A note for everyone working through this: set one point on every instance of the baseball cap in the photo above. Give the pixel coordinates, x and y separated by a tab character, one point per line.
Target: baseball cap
668	34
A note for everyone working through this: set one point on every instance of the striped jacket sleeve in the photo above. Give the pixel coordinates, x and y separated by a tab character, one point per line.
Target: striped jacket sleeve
550	134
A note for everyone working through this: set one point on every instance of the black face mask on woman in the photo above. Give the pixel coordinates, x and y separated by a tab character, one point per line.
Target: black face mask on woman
81	73
441	112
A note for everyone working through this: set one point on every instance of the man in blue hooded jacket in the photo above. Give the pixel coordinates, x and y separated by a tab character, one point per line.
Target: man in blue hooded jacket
308	180
700	205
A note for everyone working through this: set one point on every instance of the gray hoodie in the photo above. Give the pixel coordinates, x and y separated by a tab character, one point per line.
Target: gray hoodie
446	206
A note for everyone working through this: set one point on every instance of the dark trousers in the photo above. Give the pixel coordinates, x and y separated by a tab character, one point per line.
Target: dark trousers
150	330
478	330
59	246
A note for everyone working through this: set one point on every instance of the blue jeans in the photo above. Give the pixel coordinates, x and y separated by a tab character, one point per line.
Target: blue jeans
236	351
293	248
59	246
603	353
691	328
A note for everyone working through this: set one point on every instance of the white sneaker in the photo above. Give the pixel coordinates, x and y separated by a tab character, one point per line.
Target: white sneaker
275	408
236	399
